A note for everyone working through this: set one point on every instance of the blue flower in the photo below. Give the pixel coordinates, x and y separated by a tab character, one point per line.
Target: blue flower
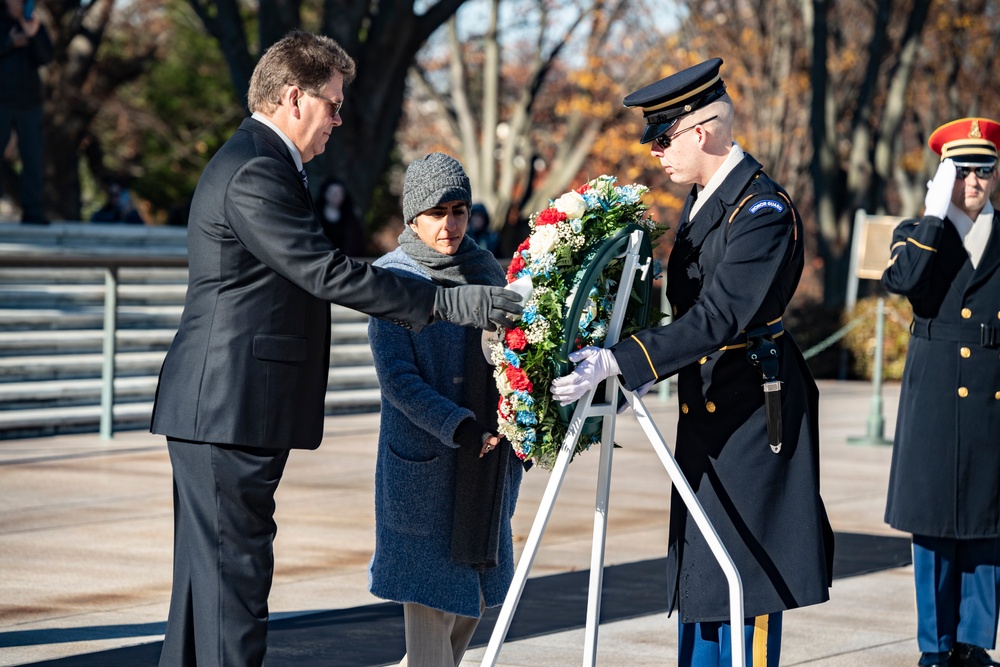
592	199
526	418
529	314
512	357
524	397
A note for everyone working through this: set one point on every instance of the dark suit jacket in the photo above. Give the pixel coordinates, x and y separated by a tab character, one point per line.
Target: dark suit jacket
250	360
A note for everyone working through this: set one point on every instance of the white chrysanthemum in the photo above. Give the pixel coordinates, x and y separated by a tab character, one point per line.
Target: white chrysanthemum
544	240
572	204
503	384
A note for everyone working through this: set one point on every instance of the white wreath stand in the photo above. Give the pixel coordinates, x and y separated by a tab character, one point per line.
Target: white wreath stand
608	410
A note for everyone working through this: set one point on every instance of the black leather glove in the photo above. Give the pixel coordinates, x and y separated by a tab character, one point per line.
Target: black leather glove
479	306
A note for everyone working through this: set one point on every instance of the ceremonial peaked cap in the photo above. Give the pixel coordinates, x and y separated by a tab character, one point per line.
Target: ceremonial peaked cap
665	101
968	141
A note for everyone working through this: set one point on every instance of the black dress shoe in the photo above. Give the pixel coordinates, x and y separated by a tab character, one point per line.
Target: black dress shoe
933	660
967	655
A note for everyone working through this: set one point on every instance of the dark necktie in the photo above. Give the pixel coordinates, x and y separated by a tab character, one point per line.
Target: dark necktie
305	179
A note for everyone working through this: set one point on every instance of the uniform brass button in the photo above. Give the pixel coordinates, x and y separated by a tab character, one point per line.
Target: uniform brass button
703	360
963	392
966	313
965	352
675	311
684	408
998	315
710	406
997	395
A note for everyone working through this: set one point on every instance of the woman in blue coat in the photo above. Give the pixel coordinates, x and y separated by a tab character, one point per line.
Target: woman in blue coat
445	483
944	484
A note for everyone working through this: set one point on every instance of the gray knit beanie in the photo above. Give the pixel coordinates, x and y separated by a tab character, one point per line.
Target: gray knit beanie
432	180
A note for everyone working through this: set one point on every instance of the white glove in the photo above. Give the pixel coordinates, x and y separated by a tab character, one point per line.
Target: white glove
640	392
594	364
939	190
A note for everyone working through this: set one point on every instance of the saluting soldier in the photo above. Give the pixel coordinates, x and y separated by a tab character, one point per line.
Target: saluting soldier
944	485
747	434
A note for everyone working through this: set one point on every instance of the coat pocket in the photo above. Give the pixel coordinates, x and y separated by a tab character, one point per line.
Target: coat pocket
410	492
269	347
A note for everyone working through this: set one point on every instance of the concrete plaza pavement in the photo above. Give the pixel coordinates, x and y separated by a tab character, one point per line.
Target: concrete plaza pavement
86	525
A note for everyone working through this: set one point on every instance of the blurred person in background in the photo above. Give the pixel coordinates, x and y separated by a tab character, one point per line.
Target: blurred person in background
25	47
340	222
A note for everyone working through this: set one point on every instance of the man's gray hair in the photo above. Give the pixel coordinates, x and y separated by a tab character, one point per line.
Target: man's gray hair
299	58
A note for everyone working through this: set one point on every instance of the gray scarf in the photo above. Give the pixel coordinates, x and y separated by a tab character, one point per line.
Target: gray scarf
471	265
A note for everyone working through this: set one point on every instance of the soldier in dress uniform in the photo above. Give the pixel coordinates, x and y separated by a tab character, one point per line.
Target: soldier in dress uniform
747	435
944	485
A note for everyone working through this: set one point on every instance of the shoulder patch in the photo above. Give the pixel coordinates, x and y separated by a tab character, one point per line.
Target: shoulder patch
767	203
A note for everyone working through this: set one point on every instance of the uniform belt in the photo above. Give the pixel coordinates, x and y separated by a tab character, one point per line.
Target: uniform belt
984	334
773	327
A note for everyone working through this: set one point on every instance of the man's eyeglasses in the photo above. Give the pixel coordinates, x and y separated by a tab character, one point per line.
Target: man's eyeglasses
982	172
663	141
332	106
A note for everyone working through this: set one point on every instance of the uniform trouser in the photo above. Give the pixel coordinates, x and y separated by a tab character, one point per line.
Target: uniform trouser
27	123
435	638
223	559
710	644
958	592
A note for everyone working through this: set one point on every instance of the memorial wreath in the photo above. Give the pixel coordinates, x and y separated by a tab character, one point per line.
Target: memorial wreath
563	242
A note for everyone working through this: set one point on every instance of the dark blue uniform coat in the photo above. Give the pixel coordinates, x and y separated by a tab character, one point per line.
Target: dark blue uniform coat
945	476
725	275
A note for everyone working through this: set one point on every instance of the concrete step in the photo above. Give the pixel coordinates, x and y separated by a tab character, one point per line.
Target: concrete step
40	367
133	416
68	296
39	394
19	343
88	317
84	276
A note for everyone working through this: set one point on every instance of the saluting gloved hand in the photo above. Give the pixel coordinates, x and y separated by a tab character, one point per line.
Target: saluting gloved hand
939	190
594	364
480	306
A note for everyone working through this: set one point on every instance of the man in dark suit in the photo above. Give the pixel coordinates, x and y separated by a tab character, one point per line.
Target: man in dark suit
245	378
750	453
944	484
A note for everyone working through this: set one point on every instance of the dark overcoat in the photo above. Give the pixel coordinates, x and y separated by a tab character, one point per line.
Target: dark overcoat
945	475
250	361
735	265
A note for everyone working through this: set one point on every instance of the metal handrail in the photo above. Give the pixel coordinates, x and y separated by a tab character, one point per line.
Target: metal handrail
111	263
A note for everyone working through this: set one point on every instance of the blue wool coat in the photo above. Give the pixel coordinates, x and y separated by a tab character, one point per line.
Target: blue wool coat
420	375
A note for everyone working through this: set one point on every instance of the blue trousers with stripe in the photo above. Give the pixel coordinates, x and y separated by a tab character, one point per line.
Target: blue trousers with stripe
710	644
958	592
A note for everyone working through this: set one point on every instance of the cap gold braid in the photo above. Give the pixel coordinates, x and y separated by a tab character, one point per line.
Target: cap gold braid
680	98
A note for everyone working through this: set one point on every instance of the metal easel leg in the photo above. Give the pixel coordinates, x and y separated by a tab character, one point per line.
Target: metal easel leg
701	519
600	526
556	478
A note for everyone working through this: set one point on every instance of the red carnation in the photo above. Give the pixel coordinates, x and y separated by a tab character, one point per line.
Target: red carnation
519	379
550	216
524	245
516	265
583	188
516	340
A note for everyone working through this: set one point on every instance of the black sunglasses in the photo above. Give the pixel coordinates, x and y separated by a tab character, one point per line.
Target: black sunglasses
663	141
981	172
